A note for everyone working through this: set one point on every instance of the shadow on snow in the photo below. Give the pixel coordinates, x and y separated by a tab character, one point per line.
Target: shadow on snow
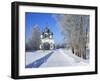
38	62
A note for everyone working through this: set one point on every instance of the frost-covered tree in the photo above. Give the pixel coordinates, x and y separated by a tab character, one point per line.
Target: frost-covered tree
34	40
74	28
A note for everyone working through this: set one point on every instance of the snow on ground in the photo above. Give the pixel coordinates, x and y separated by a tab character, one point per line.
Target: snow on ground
63	57
37	63
33	56
53	58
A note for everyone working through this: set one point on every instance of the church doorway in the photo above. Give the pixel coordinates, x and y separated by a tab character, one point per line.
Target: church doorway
46	46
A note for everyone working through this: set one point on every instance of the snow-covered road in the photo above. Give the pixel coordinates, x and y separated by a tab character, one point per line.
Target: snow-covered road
63	58
55	58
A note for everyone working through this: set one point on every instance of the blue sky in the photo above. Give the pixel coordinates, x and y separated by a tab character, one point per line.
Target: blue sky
42	20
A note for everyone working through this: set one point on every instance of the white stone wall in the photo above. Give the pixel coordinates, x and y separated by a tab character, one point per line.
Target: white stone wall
46	40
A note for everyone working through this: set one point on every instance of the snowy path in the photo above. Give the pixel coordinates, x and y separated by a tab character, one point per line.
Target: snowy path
54	58
63	58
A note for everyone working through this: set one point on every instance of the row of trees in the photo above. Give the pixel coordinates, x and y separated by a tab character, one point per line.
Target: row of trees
74	29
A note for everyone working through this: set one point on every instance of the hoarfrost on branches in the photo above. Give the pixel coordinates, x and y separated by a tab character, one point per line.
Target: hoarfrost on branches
75	29
34	40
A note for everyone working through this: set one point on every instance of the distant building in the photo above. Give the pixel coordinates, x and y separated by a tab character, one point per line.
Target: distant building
47	41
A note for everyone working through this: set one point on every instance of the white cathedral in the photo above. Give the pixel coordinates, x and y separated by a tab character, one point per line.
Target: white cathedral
47	41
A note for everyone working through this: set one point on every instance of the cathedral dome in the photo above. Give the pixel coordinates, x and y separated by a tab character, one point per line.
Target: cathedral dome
46	30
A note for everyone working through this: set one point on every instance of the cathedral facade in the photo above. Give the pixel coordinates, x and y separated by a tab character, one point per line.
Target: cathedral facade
47	41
